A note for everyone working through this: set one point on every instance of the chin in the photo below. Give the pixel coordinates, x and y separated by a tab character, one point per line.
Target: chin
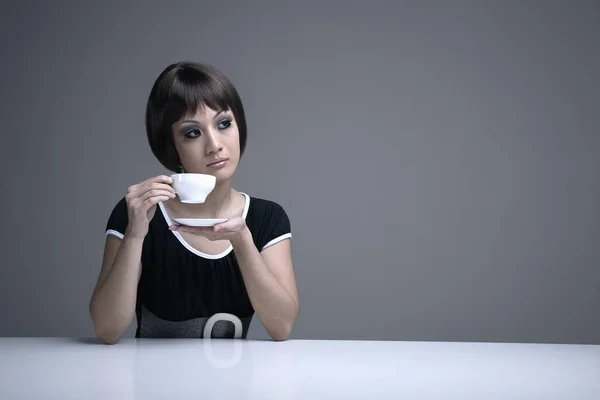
222	174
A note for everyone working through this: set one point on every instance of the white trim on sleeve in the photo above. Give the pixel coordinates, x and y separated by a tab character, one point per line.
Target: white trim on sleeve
114	233
277	240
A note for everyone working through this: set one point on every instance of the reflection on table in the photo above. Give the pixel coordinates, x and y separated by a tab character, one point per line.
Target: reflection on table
295	369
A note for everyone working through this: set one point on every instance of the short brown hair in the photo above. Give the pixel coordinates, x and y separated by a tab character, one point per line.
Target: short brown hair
180	90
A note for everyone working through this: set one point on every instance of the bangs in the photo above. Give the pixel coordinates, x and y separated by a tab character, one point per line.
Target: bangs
191	90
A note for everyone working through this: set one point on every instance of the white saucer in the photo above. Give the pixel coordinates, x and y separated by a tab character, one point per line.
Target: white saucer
199	221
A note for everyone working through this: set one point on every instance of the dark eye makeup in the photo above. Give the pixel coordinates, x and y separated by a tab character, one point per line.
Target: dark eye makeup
224	123
193	133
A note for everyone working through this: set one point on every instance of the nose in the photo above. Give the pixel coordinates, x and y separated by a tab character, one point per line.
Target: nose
213	143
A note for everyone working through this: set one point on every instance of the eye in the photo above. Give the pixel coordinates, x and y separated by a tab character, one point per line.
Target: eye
224	124
192	133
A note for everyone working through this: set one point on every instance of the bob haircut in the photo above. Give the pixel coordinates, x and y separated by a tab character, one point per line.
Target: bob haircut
179	91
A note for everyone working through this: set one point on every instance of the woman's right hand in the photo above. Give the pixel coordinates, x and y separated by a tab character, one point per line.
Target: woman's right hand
142	199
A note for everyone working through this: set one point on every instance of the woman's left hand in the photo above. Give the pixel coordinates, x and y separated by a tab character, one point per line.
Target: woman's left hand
233	230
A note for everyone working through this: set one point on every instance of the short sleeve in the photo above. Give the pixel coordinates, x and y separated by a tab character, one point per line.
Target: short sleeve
278	226
118	219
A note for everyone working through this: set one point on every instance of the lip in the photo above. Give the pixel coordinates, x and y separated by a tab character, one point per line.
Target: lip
218	163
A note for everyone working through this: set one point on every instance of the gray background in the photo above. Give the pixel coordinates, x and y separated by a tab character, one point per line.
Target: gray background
438	160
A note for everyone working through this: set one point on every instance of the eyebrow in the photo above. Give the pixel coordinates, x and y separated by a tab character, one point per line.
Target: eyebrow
191	121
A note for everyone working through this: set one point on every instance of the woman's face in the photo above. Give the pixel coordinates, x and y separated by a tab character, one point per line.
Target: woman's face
208	143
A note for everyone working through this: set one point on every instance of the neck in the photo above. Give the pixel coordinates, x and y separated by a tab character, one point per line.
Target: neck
217	201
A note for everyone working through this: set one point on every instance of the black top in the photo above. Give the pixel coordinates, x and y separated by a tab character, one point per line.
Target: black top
183	292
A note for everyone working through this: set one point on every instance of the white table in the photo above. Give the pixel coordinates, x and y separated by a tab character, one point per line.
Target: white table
79	369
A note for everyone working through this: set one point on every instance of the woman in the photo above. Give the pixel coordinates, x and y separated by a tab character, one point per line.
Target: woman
184	281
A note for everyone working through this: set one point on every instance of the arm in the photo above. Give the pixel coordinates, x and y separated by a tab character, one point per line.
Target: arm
270	282
112	305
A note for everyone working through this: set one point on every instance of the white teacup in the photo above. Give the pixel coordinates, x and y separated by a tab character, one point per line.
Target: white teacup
193	188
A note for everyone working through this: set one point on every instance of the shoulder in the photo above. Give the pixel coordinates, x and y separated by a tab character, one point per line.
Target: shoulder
265	208
268	221
120	208
118	219
121	205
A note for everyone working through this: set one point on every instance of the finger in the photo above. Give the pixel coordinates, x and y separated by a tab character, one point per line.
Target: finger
157	192
157	180
228	225
154	200
194	230
141	190
161	179
176	227
161	186
144	205
157	185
